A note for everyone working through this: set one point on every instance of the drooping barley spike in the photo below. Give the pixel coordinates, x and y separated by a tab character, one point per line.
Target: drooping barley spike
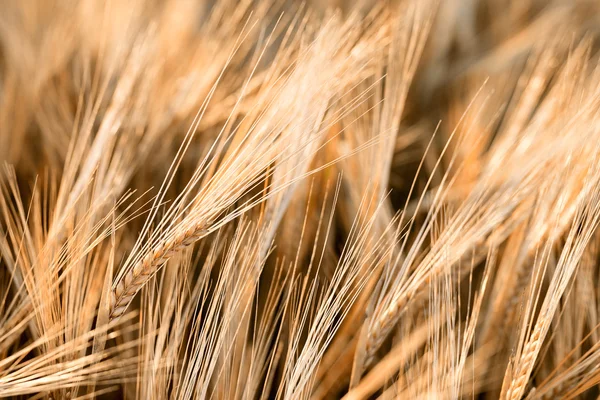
132	282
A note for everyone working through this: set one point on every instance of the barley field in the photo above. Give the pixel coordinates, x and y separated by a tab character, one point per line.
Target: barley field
277	199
